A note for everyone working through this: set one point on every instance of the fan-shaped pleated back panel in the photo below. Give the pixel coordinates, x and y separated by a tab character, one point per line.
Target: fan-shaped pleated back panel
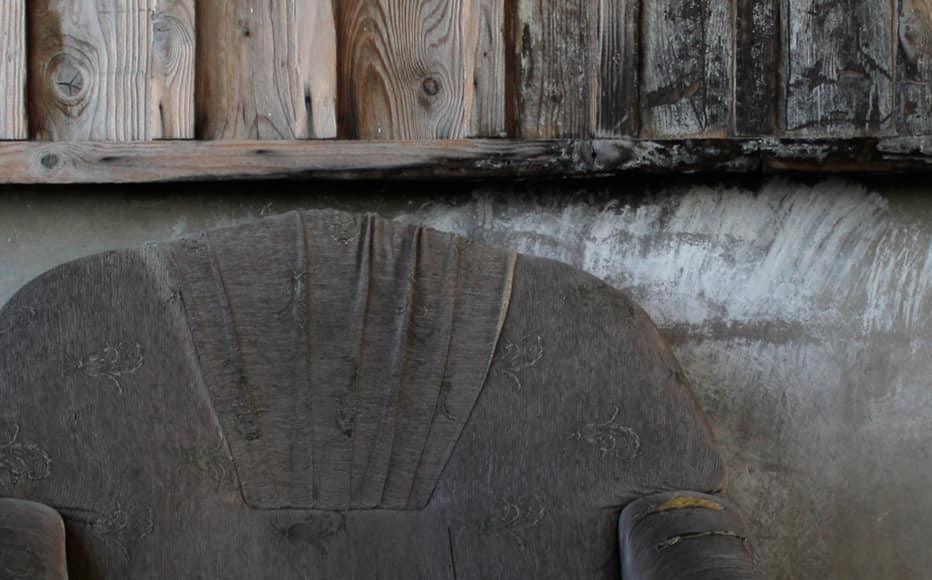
342	354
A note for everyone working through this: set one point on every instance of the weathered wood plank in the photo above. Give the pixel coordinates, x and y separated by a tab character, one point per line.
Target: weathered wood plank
687	69
485	44
13	123
33	162
618	57
839	67
403	70
111	70
757	65
266	70
172	69
914	67
556	68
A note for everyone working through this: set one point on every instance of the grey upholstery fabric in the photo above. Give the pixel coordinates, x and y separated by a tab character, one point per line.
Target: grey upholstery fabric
330	395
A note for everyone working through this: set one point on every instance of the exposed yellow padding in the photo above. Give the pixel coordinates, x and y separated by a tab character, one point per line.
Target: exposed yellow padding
687	501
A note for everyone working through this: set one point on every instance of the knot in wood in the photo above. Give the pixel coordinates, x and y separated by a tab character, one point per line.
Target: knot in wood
49	161
68	77
431	86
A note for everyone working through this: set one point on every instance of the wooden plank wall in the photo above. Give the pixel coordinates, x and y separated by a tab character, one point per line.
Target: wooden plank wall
137	70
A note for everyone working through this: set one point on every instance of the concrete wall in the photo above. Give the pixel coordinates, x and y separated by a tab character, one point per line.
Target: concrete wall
800	311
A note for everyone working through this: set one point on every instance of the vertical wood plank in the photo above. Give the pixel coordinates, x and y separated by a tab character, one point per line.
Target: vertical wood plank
171	72
485	46
13	69
266	70
556	68
619	57
840	67
404	68
757	65
914	67
111	70
688	52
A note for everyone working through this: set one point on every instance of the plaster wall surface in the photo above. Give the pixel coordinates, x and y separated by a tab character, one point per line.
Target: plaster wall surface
799	310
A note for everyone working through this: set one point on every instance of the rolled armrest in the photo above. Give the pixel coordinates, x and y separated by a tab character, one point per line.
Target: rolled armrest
684	536
32	542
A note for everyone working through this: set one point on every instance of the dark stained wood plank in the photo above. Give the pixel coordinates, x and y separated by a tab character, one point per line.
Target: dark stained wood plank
485	46
687	70
266	70
64	163
556	68
13	70
914	68
114	70
619	59
757	66
839	67
404	68
32	541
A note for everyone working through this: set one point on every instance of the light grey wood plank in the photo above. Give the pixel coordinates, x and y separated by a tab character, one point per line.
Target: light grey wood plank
13	124
117	70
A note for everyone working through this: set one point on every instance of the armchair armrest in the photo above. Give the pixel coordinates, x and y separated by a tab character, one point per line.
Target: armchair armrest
32	542
684	536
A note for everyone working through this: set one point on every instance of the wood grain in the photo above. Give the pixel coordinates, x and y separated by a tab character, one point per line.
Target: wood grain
13	123
266	70
757	66
113	70
486	49
405	68
556	68
839	67
25	162
914	68
619	59
687	70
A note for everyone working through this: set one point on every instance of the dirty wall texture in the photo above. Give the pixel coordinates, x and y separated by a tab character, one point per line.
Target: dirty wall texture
799	309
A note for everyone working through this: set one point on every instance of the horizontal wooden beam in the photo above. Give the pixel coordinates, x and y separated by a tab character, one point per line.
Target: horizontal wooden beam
158	161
